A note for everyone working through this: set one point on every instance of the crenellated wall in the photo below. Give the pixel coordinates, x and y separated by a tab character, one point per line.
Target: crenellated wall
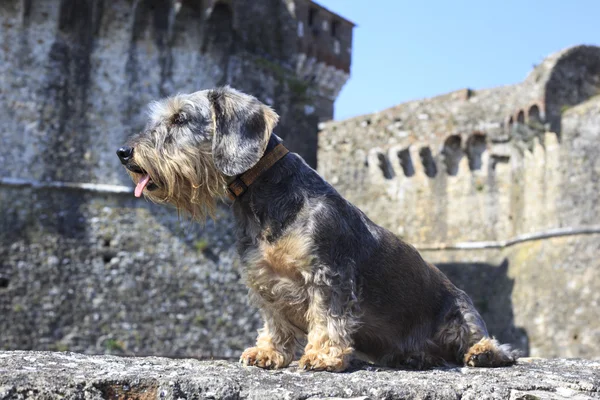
467	189
470	165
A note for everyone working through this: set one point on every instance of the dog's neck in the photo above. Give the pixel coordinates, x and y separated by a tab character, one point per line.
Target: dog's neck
274	140
238	185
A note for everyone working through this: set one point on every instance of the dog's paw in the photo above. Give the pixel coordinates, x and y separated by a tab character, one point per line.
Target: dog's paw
264	357
488	353
334	360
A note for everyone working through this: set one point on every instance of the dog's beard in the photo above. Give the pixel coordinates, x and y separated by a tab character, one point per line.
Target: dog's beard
188	180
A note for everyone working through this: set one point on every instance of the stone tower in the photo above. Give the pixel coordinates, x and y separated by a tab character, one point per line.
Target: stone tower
79	73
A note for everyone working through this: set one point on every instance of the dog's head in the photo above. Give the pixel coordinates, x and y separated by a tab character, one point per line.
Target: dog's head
193	142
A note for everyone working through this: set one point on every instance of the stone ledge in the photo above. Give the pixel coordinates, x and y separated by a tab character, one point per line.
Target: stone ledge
52	375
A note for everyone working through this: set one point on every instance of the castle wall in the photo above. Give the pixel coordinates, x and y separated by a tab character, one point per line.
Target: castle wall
467	189
90	268
95	273
541	296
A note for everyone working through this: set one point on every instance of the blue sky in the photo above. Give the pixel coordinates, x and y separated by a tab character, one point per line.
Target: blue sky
406	50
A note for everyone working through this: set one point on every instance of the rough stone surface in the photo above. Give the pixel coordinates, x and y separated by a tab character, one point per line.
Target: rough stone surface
115	275
542	296
43	375
77	75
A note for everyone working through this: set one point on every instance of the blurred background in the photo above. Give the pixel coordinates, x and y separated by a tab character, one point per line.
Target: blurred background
471	130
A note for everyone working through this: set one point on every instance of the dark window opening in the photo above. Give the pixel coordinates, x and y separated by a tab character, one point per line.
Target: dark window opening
499	159
534	115
385	166
476	145
312	16
428	162
453	153
335	28
406	163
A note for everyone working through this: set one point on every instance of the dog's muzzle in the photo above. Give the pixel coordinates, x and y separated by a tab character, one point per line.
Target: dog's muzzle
125	154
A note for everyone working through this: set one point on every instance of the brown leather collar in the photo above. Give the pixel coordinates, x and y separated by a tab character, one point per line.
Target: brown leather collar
240	184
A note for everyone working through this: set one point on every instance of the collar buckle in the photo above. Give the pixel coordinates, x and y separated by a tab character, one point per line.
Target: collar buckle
236	188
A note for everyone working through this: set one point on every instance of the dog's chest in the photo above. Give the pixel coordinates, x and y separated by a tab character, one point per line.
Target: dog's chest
280	274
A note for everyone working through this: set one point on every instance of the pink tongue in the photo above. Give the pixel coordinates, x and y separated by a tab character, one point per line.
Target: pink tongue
141	185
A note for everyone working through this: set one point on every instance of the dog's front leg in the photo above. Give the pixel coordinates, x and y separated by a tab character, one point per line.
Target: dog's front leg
274	346
331	324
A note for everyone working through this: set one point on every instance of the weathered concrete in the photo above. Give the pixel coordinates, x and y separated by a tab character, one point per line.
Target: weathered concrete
42	375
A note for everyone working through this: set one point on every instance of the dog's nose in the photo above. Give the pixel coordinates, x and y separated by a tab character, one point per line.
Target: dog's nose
125	154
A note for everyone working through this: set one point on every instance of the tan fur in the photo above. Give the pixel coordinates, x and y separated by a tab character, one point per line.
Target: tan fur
192	181
280	276
487	353
329	347
267	353
275	267
288	257
277	274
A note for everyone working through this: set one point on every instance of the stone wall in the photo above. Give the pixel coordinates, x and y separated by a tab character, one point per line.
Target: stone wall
542	296
109	274
78	76
86	268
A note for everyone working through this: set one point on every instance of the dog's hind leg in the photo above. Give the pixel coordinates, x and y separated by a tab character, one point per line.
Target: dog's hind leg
483	350
487	352
465	336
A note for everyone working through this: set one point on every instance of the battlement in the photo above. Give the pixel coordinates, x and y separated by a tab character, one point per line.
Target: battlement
471	164
324	35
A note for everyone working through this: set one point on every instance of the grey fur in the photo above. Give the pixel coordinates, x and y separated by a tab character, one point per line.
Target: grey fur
243	125
352	286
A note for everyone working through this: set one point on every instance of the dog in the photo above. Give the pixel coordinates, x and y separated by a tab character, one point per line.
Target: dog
318	269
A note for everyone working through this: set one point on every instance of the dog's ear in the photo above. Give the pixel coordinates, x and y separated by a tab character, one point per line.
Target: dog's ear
242	129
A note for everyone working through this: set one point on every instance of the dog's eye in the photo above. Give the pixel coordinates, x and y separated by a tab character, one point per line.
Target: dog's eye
179	118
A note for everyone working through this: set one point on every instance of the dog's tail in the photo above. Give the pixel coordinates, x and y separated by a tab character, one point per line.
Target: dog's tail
487	352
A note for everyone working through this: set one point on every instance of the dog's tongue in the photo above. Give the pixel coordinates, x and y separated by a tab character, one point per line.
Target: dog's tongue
141	185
